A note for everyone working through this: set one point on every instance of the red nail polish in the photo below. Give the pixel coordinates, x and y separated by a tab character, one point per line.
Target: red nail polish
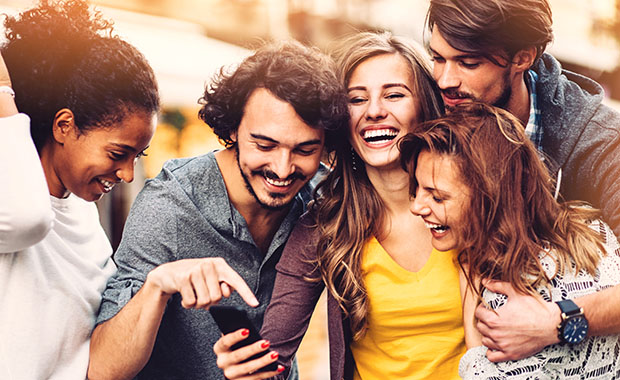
245	332
280	368
274	355
265	344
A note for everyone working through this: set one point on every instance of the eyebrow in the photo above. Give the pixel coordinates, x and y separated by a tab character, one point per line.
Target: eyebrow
387	85
442	193
460	56
126	147
267	138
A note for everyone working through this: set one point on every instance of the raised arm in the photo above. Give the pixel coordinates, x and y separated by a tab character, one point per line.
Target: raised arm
286	320
25	210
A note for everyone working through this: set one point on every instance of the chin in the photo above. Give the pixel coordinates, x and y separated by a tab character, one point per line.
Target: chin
89	197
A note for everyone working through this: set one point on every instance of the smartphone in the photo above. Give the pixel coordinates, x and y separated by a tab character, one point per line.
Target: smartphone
230	319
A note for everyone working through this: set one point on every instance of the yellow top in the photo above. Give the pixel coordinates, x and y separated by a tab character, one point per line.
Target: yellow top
415	319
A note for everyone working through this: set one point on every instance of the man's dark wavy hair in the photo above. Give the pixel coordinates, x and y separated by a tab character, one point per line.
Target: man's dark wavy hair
491	27
299	75
62	55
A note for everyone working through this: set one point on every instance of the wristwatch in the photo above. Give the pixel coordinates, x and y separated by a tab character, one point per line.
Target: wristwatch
574	326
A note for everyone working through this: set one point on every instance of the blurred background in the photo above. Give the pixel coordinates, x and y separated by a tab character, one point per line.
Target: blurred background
188	41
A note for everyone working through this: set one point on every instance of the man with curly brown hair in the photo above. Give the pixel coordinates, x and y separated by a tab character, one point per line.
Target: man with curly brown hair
210	224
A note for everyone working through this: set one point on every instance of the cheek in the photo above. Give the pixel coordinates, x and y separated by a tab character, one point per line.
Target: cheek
355	115
412	116
309	165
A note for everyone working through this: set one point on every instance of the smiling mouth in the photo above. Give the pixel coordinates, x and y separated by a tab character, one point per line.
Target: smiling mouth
379	136
107	185
279	182
439	228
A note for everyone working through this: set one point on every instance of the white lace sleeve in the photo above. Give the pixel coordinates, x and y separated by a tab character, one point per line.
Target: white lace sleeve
595	358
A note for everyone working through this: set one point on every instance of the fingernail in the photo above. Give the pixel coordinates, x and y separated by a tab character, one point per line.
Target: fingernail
280	368
245	332
265	344
274	355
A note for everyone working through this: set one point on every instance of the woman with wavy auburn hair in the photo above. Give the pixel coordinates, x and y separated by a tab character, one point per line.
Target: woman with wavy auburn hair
394	310
479	183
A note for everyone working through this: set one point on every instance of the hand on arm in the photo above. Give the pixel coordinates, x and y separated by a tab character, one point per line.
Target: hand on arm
523	326
232	362
121	346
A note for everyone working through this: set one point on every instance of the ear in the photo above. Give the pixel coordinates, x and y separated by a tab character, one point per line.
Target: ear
233	135
63	125
524	59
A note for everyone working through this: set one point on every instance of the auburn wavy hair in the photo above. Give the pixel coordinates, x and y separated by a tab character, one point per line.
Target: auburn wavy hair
348	210
512	215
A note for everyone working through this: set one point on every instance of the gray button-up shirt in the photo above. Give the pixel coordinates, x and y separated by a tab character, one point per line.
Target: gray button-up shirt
185	213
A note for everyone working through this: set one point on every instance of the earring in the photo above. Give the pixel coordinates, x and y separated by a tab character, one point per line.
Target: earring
353	160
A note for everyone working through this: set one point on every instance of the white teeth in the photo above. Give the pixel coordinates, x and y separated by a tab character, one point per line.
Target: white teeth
281	183
107	185
436	227
380	133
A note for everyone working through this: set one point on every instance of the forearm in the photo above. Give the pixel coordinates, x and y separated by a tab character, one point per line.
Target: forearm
121	346
602	310
288	316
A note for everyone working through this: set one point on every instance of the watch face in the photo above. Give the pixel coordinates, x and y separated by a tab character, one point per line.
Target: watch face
575	330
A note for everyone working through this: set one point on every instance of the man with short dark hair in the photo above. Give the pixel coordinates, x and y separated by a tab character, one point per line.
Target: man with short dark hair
493	51
209	224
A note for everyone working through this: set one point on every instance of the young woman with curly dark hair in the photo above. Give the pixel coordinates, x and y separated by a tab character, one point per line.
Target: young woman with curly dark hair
87	102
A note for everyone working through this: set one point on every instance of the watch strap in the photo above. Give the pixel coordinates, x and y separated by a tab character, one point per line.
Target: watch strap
569	307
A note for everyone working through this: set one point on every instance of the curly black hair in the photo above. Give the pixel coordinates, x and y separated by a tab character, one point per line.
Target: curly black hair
299	75
61	55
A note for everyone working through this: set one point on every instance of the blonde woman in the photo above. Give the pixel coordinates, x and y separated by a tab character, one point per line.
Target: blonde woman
394	308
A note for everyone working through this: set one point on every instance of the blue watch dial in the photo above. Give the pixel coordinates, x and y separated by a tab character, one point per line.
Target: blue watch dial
575	330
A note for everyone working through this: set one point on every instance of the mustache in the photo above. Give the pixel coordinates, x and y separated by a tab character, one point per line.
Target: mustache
271	175
455	94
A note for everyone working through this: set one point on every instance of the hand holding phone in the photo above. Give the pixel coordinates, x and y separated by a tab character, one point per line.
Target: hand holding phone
230	319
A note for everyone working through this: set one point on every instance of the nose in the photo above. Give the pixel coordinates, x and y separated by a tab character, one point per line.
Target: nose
126	170
446	75
283	165
418	206
376	110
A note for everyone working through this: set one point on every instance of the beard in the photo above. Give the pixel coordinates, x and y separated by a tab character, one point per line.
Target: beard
501	101
504	97
277	203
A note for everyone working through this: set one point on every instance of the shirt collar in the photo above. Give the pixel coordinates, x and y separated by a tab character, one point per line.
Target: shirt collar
533	128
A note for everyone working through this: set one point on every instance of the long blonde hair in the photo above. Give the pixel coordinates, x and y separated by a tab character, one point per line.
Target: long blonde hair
349	210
